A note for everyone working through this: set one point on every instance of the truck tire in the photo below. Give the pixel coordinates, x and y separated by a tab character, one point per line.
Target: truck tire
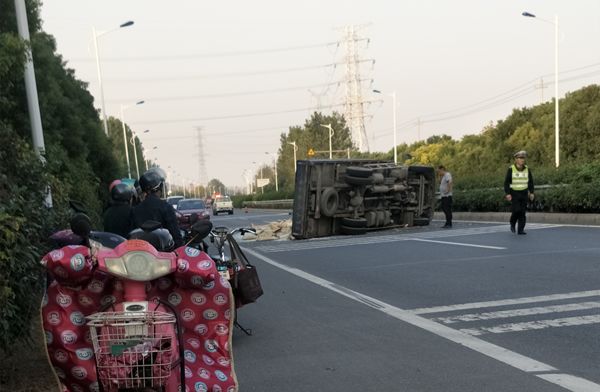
329	201
358	171
354	222
421	221
353	230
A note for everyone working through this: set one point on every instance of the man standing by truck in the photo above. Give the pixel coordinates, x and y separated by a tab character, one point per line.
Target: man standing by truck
446	195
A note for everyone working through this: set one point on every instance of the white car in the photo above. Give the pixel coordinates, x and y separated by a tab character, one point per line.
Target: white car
222	204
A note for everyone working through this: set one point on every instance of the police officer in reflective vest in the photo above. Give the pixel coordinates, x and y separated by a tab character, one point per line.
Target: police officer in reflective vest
518	188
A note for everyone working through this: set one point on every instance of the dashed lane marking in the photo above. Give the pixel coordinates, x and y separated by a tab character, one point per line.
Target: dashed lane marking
355	240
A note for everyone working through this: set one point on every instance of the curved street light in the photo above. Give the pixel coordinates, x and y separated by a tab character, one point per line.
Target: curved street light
100	85
556	107
123	108
275	164
393	95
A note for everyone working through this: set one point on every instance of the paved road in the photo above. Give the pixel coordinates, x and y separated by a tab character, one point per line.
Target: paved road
473	308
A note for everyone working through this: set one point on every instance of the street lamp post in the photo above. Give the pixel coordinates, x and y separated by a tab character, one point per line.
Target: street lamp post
123	108
556	111
148	160
393	95
295	149
133	136
96	36
328	126
275	165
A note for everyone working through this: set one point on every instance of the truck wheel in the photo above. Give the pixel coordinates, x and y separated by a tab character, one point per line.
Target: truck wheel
354	222
421	221
353	230
329	201
358	171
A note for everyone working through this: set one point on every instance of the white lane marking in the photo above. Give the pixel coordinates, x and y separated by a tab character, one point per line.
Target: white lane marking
458	243
244	216
335	242
514	359
515	301
518	312
534	325
570	382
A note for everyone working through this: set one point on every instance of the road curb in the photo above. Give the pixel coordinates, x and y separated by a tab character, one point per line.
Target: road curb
532	217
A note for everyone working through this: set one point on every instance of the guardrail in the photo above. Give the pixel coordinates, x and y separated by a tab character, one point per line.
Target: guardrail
275	204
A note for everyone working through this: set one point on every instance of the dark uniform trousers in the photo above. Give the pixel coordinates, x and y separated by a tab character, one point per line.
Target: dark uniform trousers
518	208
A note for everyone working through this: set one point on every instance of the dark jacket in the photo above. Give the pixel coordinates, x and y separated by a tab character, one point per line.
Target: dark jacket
153	208
118	219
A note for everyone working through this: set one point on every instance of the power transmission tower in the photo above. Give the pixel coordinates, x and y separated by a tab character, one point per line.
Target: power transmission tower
541	87
354	103
202	176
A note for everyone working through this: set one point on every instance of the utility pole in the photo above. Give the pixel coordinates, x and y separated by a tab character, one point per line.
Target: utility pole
328	126
202	175
295	149
35	118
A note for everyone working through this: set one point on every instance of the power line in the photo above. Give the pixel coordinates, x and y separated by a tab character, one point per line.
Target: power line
232	94
228	74
499	99
209	55
232	116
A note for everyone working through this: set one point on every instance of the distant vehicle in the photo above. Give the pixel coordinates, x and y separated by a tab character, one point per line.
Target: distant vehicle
222	204
173	200
187	207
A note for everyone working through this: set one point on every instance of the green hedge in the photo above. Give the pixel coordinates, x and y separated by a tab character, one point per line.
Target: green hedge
573	188
25	223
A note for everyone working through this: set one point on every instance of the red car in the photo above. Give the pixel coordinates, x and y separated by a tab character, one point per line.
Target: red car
187	207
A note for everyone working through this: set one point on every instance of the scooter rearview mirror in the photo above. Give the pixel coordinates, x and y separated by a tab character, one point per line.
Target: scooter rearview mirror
81	225
202	228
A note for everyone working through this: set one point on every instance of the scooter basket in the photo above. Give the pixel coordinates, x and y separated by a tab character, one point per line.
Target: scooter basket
133	349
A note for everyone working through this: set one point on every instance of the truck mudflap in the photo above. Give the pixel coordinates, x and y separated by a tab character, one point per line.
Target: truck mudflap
356	196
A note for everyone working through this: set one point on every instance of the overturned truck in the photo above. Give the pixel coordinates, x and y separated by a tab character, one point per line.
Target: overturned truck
355	196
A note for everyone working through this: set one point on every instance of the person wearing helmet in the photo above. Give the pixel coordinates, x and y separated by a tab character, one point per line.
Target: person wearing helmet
153	208
118	216
518	188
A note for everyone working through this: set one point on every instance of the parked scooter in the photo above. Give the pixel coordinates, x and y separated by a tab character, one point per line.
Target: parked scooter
138	317
235	267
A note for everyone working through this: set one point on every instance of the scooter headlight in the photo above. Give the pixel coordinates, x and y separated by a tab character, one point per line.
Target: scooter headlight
141	266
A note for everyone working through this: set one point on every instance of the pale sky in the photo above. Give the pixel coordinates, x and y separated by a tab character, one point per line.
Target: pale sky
462	63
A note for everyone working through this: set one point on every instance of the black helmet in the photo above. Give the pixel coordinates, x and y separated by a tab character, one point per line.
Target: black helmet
121	192
152	180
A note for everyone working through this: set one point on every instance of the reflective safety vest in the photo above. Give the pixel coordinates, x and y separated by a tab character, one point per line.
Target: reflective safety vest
520	179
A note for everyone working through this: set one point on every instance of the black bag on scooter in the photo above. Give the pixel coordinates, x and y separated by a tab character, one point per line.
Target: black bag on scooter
246	284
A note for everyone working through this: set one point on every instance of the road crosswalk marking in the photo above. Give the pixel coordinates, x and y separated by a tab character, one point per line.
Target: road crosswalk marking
587	313
511	301
335	242
533	325
519	312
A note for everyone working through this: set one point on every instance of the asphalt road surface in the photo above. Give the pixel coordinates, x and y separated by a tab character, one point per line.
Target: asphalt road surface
472	308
